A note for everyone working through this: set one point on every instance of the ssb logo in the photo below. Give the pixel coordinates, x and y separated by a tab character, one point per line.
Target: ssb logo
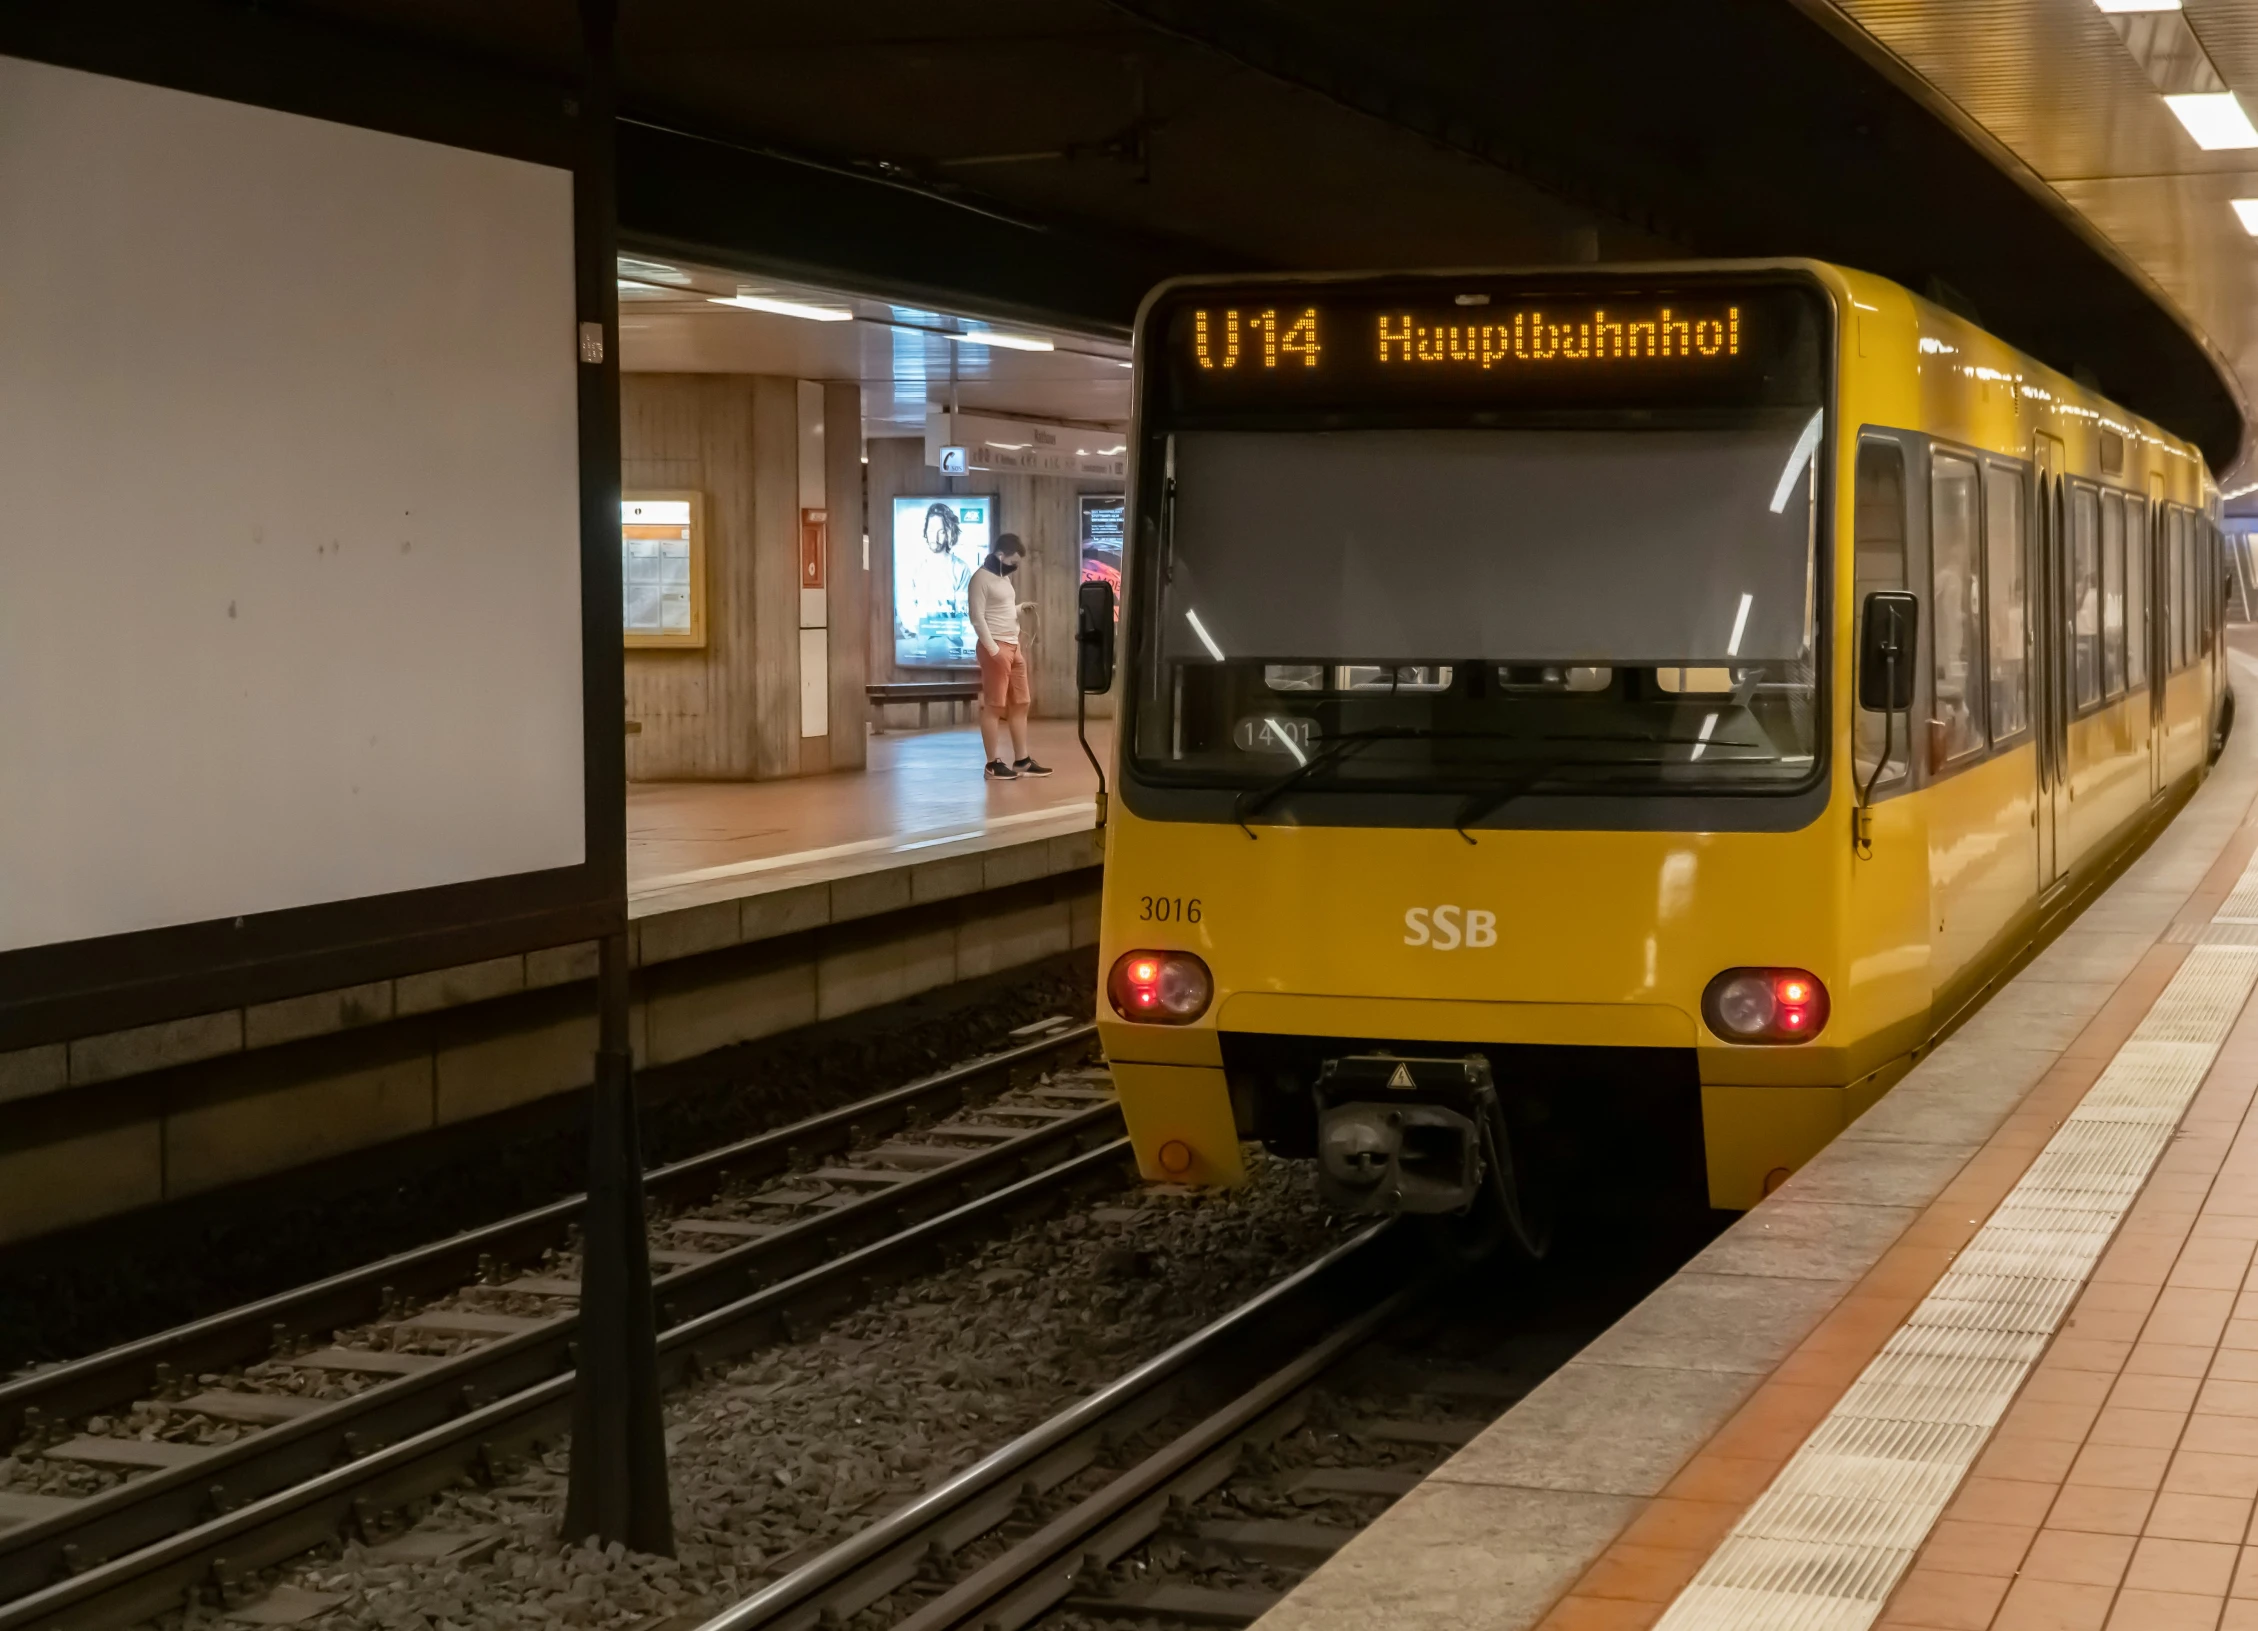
1447	928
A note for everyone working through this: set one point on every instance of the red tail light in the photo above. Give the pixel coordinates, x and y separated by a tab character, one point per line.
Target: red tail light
1765	1005
1160	987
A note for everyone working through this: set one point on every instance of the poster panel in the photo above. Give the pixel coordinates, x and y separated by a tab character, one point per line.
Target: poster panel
1104	516
939	542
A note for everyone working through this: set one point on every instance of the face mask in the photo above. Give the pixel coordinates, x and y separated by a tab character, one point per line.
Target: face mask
1006	565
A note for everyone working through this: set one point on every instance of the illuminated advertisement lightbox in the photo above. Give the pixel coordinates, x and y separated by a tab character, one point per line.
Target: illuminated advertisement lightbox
1102	517
939	542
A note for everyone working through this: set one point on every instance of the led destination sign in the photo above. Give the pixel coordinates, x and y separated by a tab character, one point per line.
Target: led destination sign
1266	339
1436	343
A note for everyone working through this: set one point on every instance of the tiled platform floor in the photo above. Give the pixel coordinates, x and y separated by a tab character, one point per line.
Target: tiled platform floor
923	794
2118	1492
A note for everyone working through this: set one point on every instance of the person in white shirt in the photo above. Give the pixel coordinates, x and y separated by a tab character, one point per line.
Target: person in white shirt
992	605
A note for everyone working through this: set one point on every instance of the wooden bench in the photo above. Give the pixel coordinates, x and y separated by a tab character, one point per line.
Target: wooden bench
924	693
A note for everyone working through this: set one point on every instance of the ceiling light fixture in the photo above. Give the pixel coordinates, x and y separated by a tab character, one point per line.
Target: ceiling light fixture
2137	5
785	308
995	337
2247	210
2215	119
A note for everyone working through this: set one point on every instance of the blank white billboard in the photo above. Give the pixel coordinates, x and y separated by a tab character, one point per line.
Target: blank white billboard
289	511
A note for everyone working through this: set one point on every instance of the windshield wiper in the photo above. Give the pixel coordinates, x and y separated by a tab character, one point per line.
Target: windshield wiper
1506	791
1525	778
1253	801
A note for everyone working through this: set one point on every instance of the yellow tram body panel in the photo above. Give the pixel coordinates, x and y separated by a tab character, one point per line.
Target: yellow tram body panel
1607	938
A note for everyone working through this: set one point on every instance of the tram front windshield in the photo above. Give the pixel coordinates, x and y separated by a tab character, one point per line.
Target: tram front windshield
1626	602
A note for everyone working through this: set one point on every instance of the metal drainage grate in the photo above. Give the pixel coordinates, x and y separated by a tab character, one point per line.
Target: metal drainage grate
1824	1546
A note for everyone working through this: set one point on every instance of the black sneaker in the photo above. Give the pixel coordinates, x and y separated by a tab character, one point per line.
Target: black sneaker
1028	767
1003	772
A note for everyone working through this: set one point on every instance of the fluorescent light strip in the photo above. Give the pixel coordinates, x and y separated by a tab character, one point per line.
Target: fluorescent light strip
1010	342
2246	209
2215	119
1740	626
785	308
2137	5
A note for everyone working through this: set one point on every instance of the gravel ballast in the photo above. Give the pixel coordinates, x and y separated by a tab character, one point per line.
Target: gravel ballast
87	1289
799	1445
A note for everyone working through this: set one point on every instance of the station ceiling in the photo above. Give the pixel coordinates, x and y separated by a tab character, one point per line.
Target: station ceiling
1049	159
2077	97
676	316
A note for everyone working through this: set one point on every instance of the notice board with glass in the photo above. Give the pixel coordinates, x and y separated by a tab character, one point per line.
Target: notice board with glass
662	552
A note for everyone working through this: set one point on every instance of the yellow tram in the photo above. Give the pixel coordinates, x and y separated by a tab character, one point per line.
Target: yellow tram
1661	696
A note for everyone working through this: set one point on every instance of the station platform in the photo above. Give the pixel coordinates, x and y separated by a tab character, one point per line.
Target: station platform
922	796
1989	1361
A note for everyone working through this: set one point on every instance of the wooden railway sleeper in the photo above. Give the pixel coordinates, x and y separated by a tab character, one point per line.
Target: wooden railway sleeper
100	1382
146	1550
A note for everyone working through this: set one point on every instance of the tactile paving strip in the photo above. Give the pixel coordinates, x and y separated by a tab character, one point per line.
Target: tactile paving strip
1824	1546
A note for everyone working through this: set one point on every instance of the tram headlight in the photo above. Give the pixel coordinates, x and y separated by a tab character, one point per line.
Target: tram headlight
1765	1005
1160	987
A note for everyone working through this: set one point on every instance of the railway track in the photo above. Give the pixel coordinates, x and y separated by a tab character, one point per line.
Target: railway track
352	1400
1039	1520
1200	1486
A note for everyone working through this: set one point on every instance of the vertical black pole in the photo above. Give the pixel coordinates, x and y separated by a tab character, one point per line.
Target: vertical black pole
618	1487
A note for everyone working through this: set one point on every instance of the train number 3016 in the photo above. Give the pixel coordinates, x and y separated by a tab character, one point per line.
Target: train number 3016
1447	928
1168	909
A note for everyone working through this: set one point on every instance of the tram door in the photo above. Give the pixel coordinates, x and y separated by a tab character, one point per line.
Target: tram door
2050	660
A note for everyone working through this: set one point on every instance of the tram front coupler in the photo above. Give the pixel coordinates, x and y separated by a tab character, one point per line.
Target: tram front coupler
1404	1135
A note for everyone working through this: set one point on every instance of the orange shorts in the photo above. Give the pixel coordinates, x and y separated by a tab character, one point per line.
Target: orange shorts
1003	677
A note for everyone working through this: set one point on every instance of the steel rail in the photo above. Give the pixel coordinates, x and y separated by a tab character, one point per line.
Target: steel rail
1367	1272
249	1332
473	1408
1076	1547
315	1510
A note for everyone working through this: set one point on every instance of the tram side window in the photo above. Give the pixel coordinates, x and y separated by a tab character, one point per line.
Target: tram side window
2167	591
2005	600
2136	594
2214	587
1880	564
1956	723
2176	598
2112	594
2191	645
2191	598
2085	596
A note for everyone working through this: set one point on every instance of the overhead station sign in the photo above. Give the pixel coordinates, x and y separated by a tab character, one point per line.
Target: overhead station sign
1476	341
958	443
1230	338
